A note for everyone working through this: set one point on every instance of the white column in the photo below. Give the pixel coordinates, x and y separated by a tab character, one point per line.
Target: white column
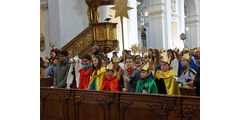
168	18
157	32
193	34
192	23
181	25
54	22
130	26
44	7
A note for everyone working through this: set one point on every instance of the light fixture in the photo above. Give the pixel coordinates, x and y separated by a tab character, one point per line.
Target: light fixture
187	28
146	14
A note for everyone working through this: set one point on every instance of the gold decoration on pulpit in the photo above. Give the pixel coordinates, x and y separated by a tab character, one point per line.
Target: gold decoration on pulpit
101	34
42	42
93	14
134	49
89	39
70	54
79	46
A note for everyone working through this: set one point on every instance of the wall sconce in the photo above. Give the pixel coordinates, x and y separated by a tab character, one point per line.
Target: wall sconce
146	14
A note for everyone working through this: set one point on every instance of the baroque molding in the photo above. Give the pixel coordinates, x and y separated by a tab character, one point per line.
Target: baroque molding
104	101
161	108
124	104
192	19
188	111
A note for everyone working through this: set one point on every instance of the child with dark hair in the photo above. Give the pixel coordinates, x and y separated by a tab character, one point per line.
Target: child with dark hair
98	73
173	59
85	72
129	77
165	78
146	84
61	71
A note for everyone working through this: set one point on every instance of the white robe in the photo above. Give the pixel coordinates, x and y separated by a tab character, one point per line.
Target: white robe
174	65
77	74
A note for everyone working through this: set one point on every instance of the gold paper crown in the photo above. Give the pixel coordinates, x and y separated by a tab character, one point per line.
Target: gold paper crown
46	61
110	66
150	49
162	50
116	59
176	49
187	49
198	49
145	67
103	61
165	58
187	56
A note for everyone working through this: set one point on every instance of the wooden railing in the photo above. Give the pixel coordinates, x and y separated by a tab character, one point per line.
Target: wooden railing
47	82
72	104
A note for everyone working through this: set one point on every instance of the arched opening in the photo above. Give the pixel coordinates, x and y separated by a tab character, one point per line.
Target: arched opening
192	23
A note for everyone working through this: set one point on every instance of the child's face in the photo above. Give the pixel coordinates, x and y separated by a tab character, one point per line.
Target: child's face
184	62
73	64
95	62
110	73
55	61
45	64
164	67
129	63
85	61
169	54
144	74
149	53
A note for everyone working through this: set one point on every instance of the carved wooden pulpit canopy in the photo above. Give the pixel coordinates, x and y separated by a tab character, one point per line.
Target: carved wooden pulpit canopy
101	34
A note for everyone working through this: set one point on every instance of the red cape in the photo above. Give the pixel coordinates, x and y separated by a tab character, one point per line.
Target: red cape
110	84
84	78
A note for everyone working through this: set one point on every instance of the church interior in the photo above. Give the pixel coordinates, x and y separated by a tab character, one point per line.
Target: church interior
119	59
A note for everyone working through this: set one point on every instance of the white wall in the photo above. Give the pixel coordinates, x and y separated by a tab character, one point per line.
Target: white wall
67	18
73	19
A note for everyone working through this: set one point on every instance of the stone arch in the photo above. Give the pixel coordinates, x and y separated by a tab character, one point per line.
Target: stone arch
192	23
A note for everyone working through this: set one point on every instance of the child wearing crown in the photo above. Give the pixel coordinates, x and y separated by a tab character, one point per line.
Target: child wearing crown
165	78
110	82
146	84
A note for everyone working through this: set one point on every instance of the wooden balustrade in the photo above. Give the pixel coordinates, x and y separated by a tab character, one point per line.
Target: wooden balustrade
73	104
47	82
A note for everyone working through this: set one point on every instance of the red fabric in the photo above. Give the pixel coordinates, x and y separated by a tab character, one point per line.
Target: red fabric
130	71
84	78
54	50
110	84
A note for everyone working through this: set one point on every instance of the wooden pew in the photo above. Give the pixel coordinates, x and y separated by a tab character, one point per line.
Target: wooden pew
72	104
47	82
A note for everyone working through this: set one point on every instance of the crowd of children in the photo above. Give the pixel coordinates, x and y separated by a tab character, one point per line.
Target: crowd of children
158	72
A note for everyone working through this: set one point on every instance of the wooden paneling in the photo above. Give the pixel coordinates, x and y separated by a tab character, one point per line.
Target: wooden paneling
47	82
72	104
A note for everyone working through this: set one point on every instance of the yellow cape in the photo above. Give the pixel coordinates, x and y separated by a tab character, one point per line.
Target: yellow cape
101	73
171	84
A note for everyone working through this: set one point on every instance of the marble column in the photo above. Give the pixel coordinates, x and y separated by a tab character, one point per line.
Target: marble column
44	7
159	24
